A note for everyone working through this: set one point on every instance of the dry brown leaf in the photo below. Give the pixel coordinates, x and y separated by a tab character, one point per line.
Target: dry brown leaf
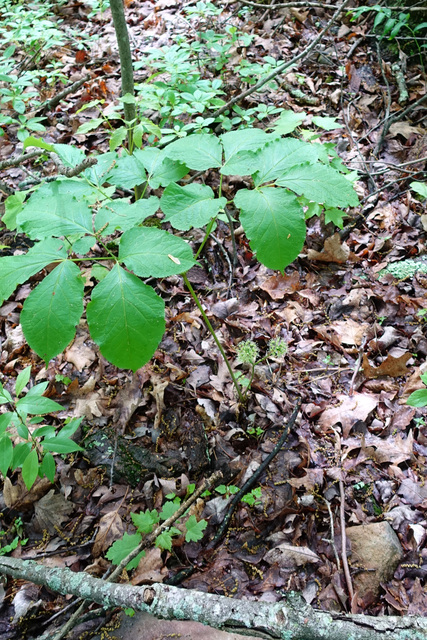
392	367
287	556
150	568
279	286
18	497
348	412
333	251
110	529
50	512
312	478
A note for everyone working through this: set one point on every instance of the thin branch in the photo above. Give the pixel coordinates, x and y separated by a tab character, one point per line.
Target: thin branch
16	160
53	102
254	478
283	66
309	5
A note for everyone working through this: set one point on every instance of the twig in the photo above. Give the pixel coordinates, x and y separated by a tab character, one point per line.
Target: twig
70	172
354	46
254	478
53	102
332	538
16	160
283	66
357	365
309	5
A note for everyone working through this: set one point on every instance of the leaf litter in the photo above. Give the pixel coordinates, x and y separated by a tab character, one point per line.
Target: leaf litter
332	306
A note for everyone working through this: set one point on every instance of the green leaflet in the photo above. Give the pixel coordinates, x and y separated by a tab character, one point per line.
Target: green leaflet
191	206
274	223
148	251
199	151
52	311
15	270
126	319
120	214
321	184
279	156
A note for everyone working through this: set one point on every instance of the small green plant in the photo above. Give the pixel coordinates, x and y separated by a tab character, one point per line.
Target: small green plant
67	217
420	188
145	523
253	497
248	353
16	528
227	490
419	398
23	443
257	432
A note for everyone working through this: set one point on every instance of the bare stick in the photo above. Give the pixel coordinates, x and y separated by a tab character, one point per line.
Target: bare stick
53	102
16	160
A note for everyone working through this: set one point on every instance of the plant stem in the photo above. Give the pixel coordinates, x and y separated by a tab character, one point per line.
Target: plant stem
215	337
126	67
207	234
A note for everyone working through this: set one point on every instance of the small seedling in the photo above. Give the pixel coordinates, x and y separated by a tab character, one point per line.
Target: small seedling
419	398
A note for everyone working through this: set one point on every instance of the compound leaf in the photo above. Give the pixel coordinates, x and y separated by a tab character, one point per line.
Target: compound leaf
126	319
52	311
120	549
151	252
274	223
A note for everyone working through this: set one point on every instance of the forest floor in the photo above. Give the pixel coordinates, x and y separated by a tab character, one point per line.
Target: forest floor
356	336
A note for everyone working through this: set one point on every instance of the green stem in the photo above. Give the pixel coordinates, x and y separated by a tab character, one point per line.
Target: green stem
207	234
215	337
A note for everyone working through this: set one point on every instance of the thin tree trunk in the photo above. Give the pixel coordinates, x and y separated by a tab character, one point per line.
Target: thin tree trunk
126	67
291	619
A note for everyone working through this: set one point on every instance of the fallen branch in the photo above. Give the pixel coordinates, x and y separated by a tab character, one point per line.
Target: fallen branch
291	619
16	160
53	102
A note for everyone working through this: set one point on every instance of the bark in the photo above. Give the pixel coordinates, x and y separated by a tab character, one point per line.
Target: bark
126	67
291	619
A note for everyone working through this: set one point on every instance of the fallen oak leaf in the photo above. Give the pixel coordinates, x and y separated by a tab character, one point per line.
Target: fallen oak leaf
333	251
391	366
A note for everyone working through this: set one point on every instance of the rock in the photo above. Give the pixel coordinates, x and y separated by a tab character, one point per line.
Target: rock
376	552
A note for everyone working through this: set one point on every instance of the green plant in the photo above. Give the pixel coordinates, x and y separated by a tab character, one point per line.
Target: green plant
145	523
248	353
419	398
253	497
420	188
227	490
24	444
67	217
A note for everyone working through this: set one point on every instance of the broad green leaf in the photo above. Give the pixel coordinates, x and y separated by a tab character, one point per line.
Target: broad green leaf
418	398
5	419
336	216
164	541
69	155
194	529
6	454
151	252
60	445
120	549
199	151
90	126
119	214
274	223
242	163
288	121
423	377
22	380
98	272
320	184
48	466
20	452
30	469
53	212
31	141
249	139
279	156
418	187
327	123
5	396
168	510
127	172
52	311
35	403
161	169
15	270
126	319
82	246
145	522
13	205
117	137
70	428
190	206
